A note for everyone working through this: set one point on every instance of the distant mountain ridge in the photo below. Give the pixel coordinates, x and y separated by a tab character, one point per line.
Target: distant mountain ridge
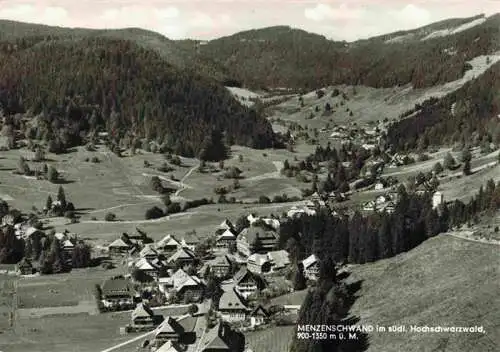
281	56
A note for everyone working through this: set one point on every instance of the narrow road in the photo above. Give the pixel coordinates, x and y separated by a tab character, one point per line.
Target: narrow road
182	184
468	238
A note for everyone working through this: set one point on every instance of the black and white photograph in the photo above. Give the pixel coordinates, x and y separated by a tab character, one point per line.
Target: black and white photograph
249	176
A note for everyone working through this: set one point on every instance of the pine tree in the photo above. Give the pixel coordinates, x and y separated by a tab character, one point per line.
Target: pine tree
467	169
48	203
61	197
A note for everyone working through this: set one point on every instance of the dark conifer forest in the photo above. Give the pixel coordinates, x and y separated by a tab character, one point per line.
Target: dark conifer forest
79	86
477	105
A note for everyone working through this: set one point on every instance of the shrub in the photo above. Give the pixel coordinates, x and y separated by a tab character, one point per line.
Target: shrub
110	217
174	208
264	199
153	213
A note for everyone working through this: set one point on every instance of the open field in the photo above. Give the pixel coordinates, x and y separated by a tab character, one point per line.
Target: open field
7	300
66	333
444	282
62	290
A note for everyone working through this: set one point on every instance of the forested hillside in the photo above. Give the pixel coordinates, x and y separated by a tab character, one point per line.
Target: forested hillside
473	118
286	57
79	85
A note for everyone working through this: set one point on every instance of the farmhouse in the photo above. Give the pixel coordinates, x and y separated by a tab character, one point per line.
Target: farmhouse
148	267
220	267
437	199
279	259
117	293
255	239
168	244
247	283
169	330
120	247
311	267
25	267
182	257
149	253
143	318
225	225
222	338
232	307
225	239
258	316
259	263
170	346
182	286
177	332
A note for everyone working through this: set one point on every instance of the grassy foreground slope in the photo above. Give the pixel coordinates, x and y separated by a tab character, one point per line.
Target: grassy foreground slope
443	282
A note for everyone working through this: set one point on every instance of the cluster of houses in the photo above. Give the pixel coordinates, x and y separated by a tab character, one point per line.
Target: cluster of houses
370	138
25	232
382	203
240	261
187	332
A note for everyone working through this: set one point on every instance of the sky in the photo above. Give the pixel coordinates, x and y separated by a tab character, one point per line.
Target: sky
207	19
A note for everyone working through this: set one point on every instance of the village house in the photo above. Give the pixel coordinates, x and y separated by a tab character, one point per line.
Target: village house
178	332
120	247
25	267
379	185
189	244
67	247
247	283
170	346
148	268
117	293
182	257
279	259
311	267
225	225
272	223
388	207
220	267
259	263
297	212
252	218
225	239
221	338
169	330
149	253
232	307
256	239
168	244
143	318
437	199
258	316
8	220
371	205
180	285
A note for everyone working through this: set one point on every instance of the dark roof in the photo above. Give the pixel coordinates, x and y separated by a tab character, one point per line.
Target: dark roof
253	232
231	300
118	285
245	274
214	339
259	310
